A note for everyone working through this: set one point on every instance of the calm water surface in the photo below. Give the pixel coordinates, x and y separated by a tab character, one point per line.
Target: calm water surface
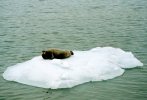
29	26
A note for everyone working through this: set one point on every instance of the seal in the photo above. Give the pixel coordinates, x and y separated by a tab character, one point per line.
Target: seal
56	54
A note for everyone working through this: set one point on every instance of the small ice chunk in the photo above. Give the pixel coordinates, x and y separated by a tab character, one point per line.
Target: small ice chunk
100	63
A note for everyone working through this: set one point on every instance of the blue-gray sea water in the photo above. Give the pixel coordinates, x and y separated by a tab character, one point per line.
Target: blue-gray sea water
29	26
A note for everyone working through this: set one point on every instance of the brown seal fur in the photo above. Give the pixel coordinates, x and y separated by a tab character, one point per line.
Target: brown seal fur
56	53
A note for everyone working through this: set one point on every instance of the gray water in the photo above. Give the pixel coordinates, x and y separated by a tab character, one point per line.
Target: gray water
29	26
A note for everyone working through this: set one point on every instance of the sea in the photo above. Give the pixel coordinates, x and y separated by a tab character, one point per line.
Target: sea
29	26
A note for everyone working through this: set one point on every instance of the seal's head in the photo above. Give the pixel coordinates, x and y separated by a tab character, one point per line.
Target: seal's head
71	52
47	55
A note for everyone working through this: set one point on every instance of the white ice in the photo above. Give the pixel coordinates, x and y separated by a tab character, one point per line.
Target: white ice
97	64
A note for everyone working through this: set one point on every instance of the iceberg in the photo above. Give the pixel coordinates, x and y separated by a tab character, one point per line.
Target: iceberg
97	64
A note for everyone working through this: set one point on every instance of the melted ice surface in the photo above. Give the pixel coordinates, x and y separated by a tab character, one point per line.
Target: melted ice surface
97	64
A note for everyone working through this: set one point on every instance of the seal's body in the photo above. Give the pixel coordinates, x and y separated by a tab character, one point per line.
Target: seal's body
56	53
